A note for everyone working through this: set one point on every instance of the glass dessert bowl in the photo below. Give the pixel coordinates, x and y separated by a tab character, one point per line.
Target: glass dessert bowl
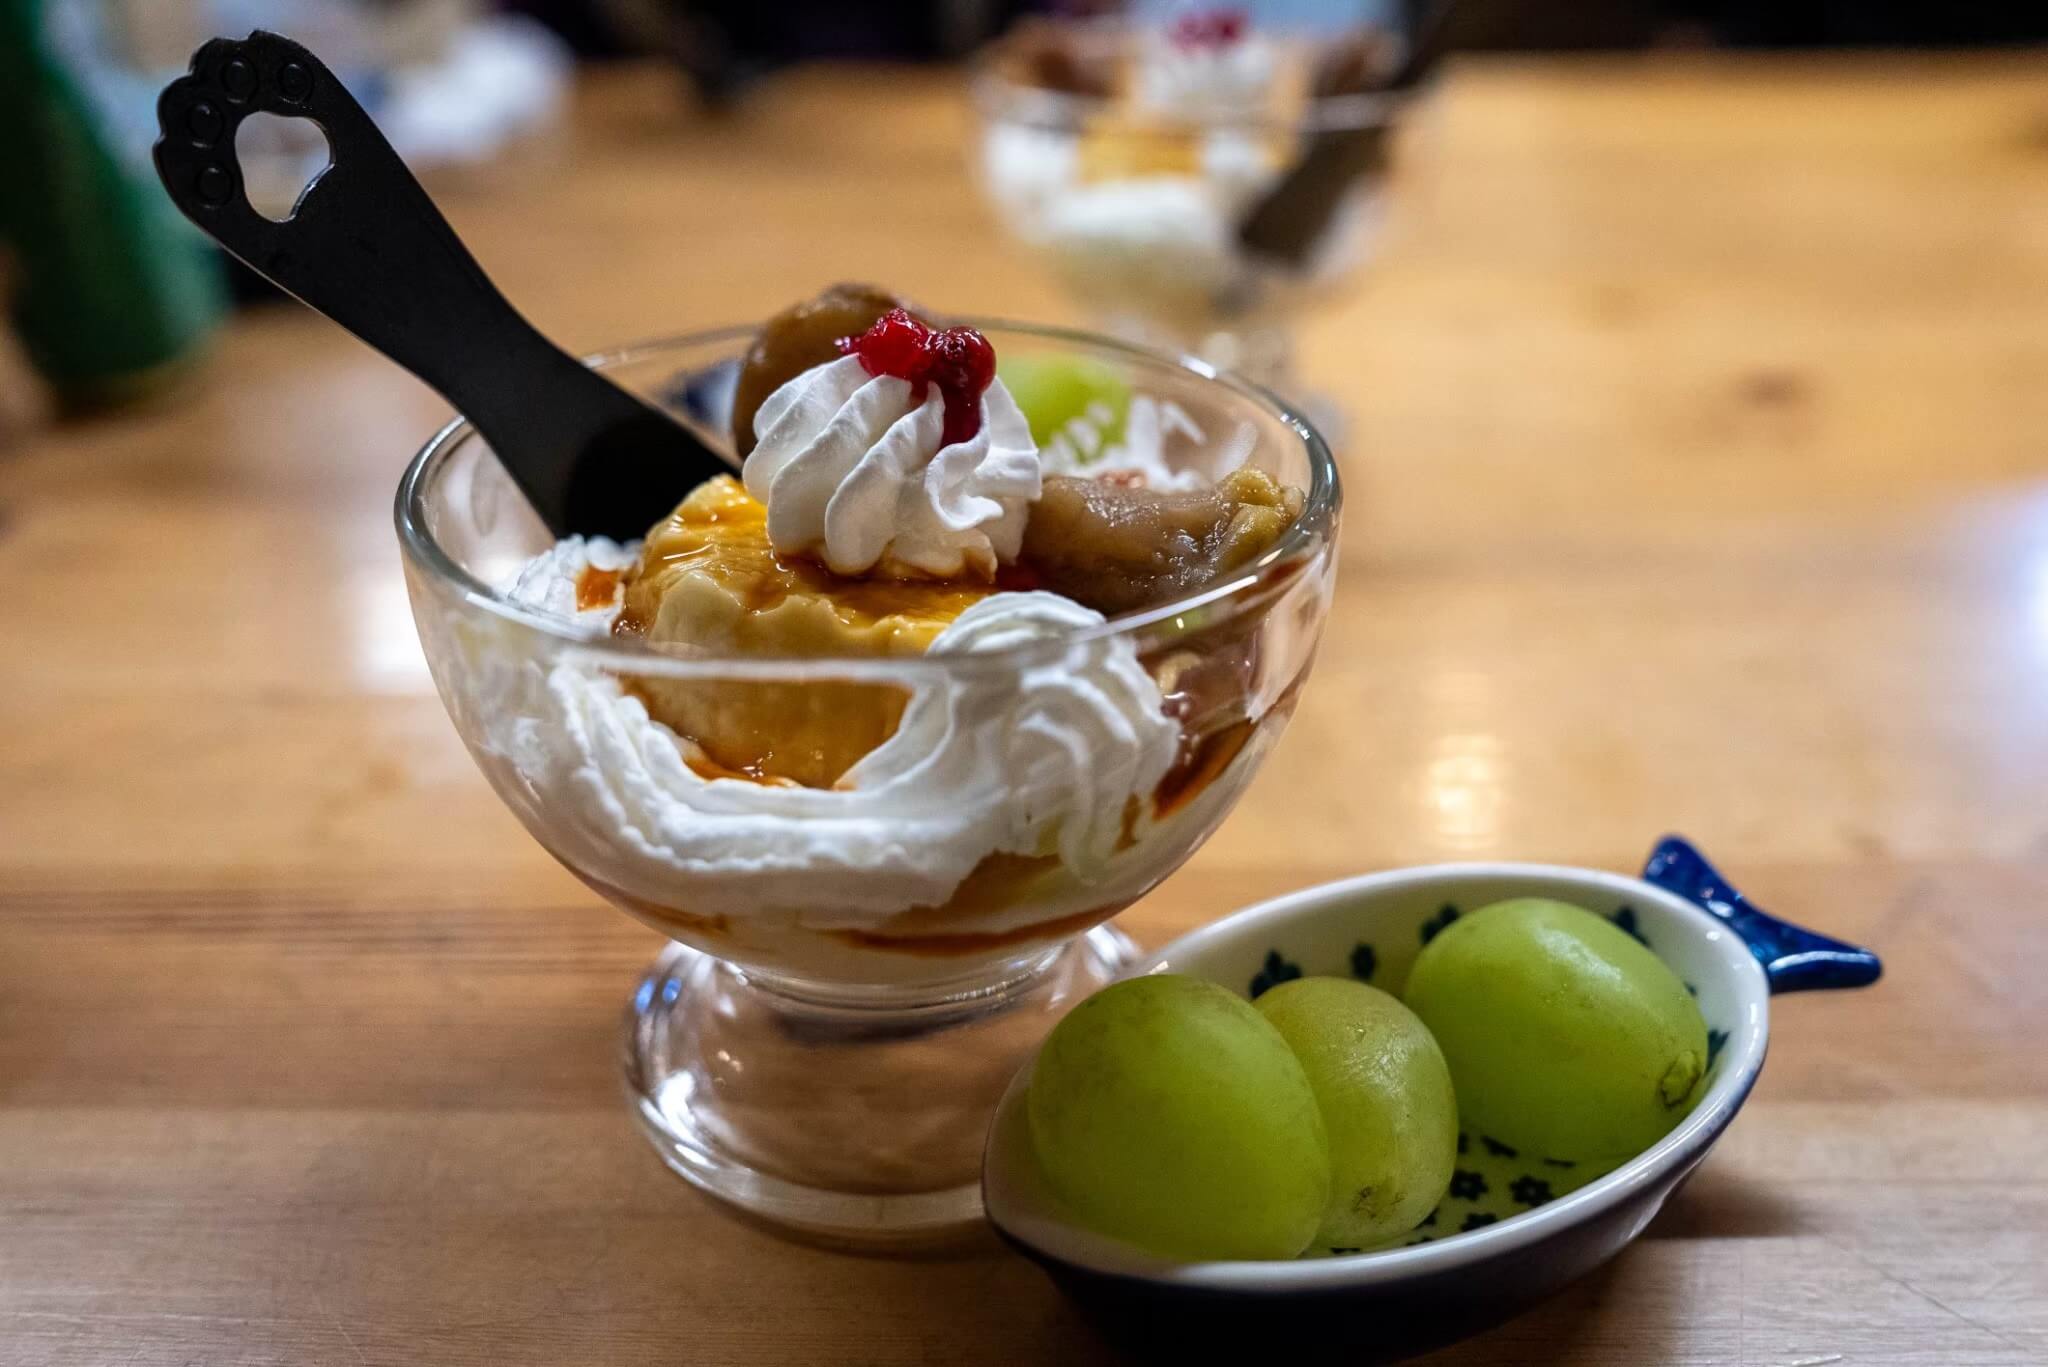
1195	185
878	776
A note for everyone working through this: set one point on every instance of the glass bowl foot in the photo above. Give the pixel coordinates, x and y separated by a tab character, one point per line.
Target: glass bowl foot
855	1120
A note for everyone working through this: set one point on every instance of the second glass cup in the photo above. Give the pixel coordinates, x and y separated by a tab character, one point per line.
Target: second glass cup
1203	223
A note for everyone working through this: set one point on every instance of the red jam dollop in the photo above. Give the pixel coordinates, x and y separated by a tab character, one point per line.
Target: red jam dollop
1214	28
959	361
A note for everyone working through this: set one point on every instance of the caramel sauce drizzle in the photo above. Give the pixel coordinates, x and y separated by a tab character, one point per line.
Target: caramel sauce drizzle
654	913
703	766
961	943
722	532
1201	763
596	588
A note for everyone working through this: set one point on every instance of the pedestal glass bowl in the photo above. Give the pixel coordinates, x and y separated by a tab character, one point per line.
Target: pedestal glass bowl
806	1048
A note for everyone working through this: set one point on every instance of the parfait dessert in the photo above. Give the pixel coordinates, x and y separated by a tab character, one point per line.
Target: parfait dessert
965	656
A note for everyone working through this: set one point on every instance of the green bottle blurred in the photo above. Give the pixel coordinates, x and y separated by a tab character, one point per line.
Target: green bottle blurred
114	295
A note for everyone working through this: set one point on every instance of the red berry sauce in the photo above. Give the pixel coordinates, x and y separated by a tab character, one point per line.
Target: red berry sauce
958	360
1214	28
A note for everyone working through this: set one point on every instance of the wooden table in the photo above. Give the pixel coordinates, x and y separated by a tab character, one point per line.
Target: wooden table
1698	448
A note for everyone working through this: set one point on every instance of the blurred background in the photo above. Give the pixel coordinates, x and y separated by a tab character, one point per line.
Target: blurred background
111	299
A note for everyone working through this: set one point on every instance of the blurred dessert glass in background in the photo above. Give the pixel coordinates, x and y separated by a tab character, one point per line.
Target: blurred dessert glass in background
1192	182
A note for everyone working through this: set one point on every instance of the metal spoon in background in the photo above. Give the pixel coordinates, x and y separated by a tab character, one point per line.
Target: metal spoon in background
1287	223
366	246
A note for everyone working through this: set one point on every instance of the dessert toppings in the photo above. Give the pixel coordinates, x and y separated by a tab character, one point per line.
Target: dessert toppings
958	360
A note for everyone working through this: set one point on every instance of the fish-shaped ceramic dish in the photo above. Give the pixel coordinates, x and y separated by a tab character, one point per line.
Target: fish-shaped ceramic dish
1515	1227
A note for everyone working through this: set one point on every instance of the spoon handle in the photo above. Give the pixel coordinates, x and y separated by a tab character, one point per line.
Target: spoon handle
365	246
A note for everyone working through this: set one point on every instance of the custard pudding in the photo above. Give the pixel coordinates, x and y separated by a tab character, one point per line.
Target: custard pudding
709	578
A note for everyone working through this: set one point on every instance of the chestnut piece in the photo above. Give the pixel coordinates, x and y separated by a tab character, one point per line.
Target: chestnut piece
798	338
1116	548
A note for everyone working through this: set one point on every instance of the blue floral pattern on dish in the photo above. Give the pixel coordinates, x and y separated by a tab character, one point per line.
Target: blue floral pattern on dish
1273	972
1435	924
1494	1180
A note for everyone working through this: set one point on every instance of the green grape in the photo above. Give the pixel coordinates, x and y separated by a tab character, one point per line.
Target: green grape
1166	1112
1386	1099
1566	1037
1054	390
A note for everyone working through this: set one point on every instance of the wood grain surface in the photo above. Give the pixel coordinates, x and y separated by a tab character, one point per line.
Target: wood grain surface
1697	438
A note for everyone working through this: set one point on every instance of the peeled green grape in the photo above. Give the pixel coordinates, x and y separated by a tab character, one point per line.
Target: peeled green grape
1385	1094
1566	1037
1054	390
1167	1112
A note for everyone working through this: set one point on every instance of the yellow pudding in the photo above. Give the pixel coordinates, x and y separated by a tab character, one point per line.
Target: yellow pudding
1142	144
1120	147
709	579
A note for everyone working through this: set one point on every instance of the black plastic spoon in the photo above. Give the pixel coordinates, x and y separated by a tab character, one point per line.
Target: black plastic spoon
366	246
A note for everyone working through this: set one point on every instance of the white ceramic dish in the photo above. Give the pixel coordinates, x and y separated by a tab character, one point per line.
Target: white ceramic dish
1516	1227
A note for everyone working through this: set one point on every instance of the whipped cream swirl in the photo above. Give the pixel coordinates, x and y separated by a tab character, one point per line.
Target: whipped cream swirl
1042	760
856	472
1094	443
1058	749
1208	79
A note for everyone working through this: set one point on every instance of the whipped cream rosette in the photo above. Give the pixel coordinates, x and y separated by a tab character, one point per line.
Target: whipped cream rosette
855	471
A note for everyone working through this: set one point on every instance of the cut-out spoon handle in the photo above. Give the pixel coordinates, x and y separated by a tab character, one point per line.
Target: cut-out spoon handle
400	279
366	246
